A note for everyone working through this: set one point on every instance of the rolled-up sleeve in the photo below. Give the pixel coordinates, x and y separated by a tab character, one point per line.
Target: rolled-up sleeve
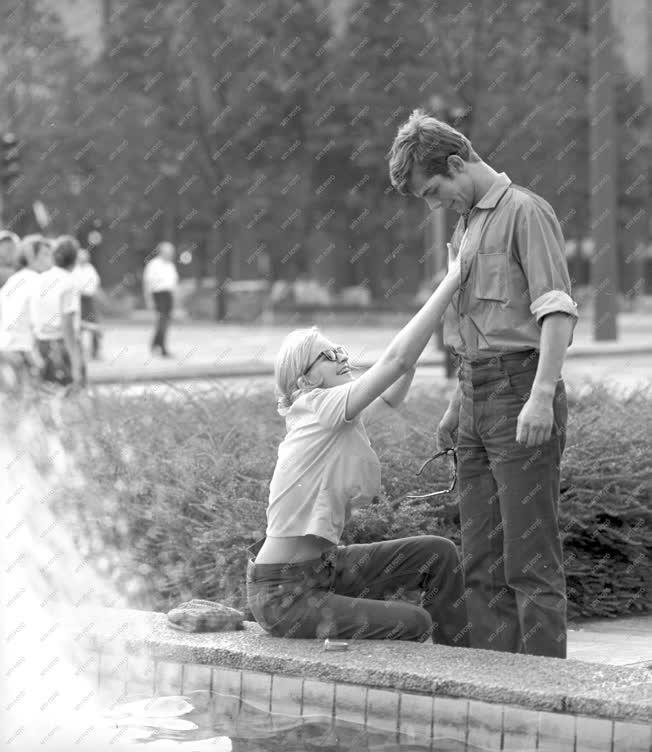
329	405
540	246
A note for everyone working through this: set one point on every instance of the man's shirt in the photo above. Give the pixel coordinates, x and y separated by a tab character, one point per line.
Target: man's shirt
86	278
55	295
513	273
16	304
160	275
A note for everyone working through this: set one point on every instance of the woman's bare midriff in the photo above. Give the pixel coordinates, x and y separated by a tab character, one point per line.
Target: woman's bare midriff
299	548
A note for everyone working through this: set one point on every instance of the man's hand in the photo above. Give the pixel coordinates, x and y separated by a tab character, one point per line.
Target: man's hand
447	428
534	424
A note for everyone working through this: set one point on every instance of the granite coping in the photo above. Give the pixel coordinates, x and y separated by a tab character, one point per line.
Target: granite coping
536	683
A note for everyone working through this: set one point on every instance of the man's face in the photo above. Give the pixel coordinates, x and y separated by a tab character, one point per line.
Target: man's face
453	191
166	251
7	252
43	258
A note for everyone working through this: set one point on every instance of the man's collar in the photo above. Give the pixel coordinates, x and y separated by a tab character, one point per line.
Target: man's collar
495	193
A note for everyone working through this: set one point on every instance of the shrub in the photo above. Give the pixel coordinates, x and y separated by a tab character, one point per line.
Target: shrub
176	488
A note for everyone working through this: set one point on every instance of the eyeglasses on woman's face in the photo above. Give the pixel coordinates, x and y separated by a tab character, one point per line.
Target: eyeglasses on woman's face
332	354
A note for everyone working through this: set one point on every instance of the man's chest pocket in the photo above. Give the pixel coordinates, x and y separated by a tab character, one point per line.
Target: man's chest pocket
491	276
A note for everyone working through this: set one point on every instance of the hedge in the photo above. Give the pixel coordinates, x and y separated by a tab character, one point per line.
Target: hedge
174	489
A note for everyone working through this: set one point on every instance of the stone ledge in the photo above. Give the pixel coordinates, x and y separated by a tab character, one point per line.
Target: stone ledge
542	684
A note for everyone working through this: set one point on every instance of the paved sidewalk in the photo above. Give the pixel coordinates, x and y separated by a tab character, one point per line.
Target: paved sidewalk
206	349
625	641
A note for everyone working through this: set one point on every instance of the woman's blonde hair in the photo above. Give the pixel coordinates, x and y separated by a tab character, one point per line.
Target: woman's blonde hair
292	360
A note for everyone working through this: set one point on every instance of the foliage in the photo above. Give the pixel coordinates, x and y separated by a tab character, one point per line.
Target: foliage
250	131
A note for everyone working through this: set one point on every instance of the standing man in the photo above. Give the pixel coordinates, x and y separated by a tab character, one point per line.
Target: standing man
18	349
510	323
160	280
88	283
57	318
8	245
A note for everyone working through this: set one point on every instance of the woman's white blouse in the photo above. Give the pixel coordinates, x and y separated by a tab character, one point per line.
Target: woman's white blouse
325	466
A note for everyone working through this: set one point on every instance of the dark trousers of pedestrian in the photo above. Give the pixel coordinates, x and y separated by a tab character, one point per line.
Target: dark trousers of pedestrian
344	593
509	503
57	366
90	319
163	306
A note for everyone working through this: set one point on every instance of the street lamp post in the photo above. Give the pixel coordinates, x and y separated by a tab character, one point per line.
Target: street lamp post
602	168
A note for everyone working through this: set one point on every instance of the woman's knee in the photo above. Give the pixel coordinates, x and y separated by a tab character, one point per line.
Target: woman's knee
418	625
439	553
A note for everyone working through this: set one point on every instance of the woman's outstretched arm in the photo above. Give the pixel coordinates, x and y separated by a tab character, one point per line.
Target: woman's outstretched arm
397	392
406	347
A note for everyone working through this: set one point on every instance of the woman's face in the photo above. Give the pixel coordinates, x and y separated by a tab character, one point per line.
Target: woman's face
329	372
43	258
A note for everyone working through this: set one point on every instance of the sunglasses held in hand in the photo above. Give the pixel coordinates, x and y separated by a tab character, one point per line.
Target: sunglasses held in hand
451	455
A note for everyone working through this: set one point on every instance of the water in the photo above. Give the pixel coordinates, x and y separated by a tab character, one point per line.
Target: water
223	722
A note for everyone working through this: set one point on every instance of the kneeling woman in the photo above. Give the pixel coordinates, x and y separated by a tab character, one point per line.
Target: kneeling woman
302	584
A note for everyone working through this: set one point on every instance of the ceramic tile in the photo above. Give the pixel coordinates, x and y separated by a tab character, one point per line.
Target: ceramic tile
415	716
318	698
286	694
196	677
351	703
593	734
450	718
632	737
227	681
556	732
167	678
382	709
257	689
140	673
520	729
485	724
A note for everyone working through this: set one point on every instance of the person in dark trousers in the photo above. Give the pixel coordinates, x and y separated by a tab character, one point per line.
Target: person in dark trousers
510	324
160	281
56	313
88	283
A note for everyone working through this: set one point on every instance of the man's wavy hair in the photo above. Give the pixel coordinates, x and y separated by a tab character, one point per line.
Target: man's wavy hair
292	360
65	251
428	142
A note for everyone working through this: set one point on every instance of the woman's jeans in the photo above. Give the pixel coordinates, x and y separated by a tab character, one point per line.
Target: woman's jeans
340	594
509	499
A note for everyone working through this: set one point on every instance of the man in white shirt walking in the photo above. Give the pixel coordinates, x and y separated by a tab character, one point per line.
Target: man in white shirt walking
57	317
88	283
160	280
18	351
8	248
